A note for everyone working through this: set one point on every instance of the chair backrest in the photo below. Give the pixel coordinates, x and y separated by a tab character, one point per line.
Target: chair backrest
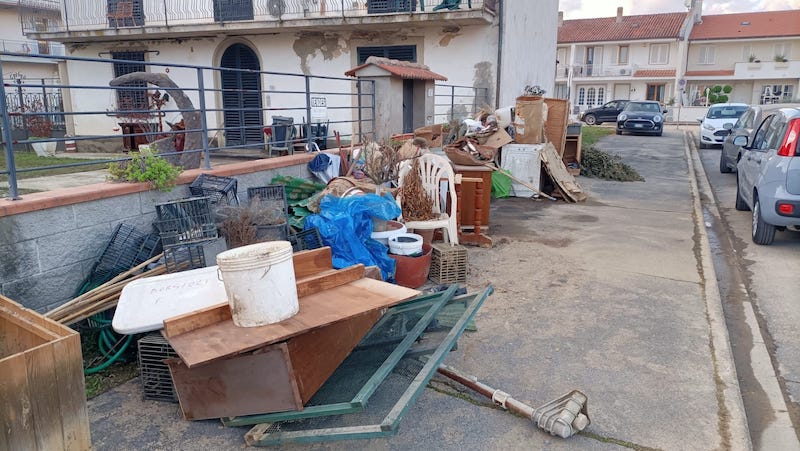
124	9
433	168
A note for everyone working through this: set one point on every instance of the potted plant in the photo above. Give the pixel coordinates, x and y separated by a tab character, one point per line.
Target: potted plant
39	127
753	62
781	62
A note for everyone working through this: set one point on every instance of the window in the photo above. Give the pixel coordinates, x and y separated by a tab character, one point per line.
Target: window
582	96
395	52
562	91
655	92
747	52
622	54
783	49
390	6
659	53
777	93
601	96
707	55
590	98
125	13
760	142
130	99
746	120
775	132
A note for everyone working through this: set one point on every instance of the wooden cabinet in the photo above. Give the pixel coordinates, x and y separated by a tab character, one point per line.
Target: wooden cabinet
467	206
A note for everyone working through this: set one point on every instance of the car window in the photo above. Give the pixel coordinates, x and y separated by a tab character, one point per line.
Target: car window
746	121
726	112
775	132
759	141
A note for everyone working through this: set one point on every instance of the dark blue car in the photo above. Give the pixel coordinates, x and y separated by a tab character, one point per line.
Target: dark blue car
641	116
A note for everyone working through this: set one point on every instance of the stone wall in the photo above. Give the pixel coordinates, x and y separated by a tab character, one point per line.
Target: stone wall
50	241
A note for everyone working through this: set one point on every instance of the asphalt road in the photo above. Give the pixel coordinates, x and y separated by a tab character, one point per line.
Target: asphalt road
764	280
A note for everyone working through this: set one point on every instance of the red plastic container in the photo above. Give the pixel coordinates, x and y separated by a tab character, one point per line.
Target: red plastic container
412	272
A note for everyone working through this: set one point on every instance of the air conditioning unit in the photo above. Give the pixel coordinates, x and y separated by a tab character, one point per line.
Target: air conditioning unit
624	71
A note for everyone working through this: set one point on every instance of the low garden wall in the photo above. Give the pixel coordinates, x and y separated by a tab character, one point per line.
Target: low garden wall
49	241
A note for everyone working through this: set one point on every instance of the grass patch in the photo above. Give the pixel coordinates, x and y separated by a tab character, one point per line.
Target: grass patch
116	374
4	191
25	160
591	134
602	165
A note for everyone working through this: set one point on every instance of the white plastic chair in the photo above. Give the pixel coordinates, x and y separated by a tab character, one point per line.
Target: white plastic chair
434	168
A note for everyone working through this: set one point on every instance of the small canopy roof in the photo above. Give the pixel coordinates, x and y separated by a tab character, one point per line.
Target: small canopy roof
402	69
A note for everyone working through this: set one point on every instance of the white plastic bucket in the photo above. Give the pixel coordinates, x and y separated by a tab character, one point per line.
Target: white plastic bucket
260	283
405	244
395	228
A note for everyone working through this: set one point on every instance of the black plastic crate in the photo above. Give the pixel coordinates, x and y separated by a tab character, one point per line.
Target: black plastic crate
184	257
185	221
269	193
306	240
126	248
219	190
277	232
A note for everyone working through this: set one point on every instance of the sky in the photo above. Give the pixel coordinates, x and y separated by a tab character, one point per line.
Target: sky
581	9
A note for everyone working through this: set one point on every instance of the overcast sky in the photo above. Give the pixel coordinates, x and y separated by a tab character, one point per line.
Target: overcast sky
579	9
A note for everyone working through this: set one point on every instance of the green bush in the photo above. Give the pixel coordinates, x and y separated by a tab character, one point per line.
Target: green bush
146	167
727	89
722	98
716	89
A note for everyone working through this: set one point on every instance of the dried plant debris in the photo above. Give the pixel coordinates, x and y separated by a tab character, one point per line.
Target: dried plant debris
417	203
239	224
602	165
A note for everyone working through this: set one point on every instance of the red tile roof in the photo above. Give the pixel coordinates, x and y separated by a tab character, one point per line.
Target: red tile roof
630	28
761	25
708	73
654	73
402	69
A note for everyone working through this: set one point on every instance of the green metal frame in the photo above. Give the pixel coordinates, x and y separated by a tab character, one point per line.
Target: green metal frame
433	302
258	436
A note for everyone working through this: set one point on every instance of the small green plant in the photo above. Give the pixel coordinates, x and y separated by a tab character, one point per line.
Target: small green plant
753	59
727	89
780	59
146	167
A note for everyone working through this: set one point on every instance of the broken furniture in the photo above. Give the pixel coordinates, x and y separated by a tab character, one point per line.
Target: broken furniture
41	383
556	125
336	309
523	162
474	195
433	169
564	181
280	135
572	150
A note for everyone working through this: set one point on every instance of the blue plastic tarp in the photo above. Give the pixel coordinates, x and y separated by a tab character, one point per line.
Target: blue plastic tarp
345	224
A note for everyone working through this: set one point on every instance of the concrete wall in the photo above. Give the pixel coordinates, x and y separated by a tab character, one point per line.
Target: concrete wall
49	252
727	54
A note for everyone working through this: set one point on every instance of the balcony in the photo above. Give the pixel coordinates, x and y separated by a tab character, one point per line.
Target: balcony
766	70
94	20
32	48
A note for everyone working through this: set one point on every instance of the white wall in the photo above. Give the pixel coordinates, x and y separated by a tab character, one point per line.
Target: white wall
529	47
9	25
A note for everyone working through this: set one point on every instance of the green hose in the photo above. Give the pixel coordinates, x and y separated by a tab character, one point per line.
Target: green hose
127	341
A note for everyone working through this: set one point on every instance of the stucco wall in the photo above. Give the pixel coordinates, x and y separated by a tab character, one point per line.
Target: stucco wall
47	253
727	54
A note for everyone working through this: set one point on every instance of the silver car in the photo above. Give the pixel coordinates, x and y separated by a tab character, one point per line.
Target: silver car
768	176
731	153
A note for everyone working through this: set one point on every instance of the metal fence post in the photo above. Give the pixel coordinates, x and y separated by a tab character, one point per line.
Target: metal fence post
360	106
13	191
166	17
201	89
308	112
374	133
452	102
46	102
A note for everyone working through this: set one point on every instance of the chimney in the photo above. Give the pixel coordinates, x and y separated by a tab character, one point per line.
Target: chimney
560	18
697	11
619	14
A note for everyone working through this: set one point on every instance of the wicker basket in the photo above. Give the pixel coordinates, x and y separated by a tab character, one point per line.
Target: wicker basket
448	264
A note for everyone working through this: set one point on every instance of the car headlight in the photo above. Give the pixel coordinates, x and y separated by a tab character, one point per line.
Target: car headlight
708	127
622	117
657	118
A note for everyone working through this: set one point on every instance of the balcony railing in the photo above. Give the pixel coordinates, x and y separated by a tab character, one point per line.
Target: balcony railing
87	15
32	47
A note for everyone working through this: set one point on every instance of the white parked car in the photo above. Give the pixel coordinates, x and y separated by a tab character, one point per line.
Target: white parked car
713	129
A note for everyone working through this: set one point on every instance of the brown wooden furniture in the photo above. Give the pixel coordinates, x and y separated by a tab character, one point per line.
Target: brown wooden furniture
556	125
572	153
468	193
123	11
469	225
42	392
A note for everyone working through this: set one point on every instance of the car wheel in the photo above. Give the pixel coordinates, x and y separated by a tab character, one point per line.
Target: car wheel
659	133
702	145
590	119
763	233
723	162
740	203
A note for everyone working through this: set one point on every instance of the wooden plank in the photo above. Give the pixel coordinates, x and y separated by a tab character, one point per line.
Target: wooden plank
45	405
30	315
315	355
244	385
558	172
326	280
196	320
72	393
310	262
224	339
16	417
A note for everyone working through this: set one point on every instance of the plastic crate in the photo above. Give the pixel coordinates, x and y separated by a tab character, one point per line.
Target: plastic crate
277	232
184	257
269	193
126	248
154	373
185	221
219	190
306	240
448	263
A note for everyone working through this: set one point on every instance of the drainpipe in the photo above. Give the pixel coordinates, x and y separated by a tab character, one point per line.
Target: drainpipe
500	29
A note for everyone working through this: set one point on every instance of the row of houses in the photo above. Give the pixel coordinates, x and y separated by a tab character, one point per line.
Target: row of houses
678	58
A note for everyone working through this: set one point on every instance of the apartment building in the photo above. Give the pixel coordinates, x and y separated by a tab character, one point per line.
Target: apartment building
474	43
757	54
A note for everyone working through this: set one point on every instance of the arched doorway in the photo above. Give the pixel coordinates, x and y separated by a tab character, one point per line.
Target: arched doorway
241	97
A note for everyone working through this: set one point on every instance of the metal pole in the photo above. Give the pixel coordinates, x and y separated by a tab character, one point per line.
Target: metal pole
452	102
308	112
374	134
66	16
358	89
166	18
45	102
13	191
203	120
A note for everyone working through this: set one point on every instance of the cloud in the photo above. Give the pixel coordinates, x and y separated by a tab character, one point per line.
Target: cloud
580	9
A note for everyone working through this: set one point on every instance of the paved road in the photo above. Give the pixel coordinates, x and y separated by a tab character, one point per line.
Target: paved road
764	277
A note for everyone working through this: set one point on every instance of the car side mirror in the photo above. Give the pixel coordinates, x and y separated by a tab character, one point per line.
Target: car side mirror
699	120
740	141
727	126
665	111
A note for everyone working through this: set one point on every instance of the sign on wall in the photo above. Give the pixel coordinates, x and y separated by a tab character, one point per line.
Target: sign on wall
319	109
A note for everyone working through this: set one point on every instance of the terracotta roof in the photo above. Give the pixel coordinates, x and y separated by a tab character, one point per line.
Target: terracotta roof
402	69
631	28
708	73
761	25
652	73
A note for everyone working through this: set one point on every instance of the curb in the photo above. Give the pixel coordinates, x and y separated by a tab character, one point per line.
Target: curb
738	433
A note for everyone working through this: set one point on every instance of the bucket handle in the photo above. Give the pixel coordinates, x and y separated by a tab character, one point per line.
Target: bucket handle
219	273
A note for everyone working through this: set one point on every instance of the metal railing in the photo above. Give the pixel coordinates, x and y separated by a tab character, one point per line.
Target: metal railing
21	97
83	15
32	47
297	110
454	102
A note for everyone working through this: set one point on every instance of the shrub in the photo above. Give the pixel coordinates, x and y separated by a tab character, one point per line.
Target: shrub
146	167
716	89
727	89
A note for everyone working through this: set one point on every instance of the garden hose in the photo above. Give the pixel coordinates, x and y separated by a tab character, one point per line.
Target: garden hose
111	345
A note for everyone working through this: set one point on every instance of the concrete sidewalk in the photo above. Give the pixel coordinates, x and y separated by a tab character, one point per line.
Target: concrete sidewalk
607	296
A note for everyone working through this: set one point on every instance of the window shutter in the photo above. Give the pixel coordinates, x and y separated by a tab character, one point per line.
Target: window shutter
395	52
